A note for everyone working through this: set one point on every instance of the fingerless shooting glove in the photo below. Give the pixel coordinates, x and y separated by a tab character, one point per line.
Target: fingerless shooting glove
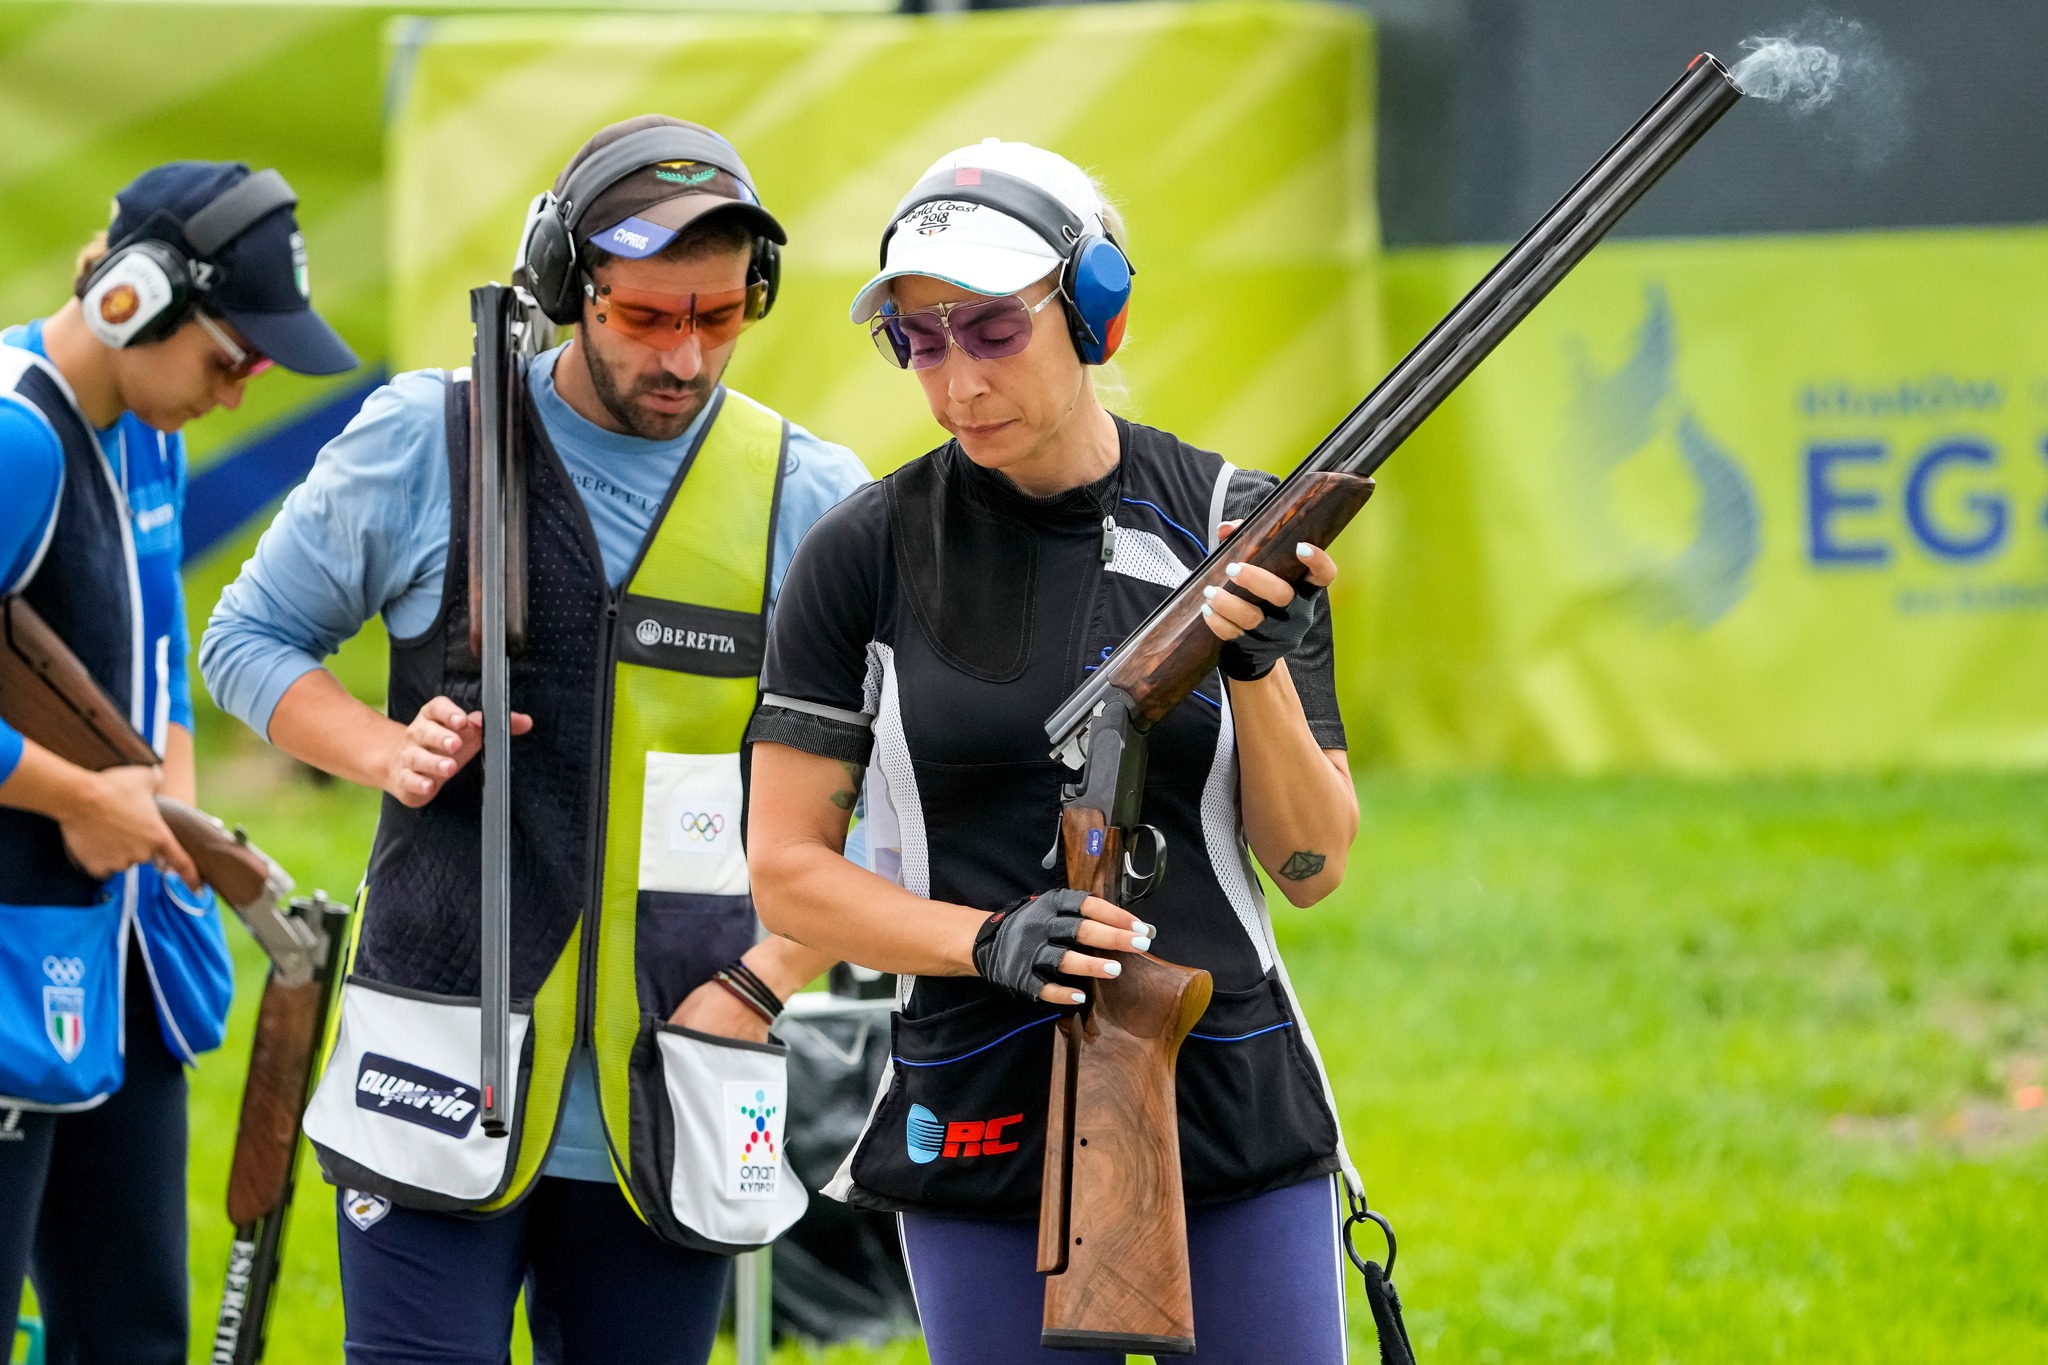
1020	946
1251	656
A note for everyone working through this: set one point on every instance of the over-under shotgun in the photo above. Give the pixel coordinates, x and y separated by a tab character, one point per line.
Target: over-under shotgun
509	331
1112	1237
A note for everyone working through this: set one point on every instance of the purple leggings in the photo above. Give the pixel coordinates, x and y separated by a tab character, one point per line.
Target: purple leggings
1268	1275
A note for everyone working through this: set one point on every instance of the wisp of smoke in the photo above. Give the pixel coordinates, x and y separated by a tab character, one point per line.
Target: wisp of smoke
1833	68
1779	69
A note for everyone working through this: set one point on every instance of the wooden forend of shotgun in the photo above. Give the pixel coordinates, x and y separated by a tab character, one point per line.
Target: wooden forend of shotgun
1181	650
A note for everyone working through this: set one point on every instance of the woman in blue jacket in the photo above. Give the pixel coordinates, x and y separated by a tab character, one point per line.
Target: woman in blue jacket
113	973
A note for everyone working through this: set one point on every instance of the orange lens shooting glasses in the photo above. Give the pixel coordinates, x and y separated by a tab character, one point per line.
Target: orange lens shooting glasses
665	321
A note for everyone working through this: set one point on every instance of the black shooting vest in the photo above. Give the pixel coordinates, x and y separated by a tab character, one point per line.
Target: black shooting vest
992	607
84	588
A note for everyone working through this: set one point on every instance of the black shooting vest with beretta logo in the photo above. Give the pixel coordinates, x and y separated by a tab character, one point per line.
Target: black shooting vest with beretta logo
628	874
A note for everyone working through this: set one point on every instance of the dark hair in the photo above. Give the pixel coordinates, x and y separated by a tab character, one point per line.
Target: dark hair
710	235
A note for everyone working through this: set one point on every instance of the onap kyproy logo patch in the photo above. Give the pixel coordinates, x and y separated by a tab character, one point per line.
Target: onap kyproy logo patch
753	1138
64	1006
400	1090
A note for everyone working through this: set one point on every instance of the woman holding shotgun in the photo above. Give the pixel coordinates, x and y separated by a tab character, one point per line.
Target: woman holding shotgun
929	625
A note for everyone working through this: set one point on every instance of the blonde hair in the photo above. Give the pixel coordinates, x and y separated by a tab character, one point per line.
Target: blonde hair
89	257
1110	383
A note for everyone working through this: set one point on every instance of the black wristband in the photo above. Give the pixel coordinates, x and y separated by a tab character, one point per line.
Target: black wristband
1251	656
738	977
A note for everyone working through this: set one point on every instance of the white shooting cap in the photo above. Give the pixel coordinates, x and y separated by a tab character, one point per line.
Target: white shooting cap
972	245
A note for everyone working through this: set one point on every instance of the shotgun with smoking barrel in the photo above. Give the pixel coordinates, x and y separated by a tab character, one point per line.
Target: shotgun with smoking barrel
1112	1237
291	1023
48	695
509	332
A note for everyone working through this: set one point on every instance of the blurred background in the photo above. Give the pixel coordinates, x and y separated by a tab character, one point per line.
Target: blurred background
1688	999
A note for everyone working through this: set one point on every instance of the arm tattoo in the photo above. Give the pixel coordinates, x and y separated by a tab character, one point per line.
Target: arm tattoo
846	798
1302	865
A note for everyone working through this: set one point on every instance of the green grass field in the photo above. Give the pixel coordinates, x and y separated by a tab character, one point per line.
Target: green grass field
1643	1070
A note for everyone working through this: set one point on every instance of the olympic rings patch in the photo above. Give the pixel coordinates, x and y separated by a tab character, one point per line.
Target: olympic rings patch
64	971
700	827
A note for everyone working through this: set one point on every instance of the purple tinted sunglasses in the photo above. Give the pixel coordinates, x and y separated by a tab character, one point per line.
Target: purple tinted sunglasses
987	329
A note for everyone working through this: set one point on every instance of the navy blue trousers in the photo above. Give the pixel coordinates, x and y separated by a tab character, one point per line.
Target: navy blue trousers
434	1289
1268	1277
92	1208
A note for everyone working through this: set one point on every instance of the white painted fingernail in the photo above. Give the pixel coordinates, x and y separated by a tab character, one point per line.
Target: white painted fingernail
1144	929
1140	944
1304	549
1078	998
1231	570
1208	610
1210	592
1112	969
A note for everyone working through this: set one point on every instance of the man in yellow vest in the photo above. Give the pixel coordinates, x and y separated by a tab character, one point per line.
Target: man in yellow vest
662	510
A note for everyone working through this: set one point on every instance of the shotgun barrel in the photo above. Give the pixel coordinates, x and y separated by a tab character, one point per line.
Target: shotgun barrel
1411	391
491	376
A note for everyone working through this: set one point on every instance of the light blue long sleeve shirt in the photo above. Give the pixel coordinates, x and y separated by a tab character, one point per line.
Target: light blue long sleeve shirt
366	534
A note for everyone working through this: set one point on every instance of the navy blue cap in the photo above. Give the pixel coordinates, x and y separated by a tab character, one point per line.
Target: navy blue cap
258	279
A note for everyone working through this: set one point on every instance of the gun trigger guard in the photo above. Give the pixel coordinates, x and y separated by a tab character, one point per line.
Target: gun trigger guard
1138	886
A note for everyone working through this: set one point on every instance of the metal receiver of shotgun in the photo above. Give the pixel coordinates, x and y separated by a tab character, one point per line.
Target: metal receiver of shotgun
47	694
509	331
291	1024
1112	1237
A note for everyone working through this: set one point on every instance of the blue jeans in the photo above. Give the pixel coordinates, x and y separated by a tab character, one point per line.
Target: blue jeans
1268	1277
601	1289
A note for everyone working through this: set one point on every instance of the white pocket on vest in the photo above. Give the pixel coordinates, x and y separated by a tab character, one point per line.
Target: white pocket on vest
690	825
400	1095
729	1101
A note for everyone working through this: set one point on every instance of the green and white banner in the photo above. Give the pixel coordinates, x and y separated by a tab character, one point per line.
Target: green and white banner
1237	139
1748	505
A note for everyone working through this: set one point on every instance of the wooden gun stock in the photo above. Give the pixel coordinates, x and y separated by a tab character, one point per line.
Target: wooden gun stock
289	1028
1112	1228
46	693
274	1097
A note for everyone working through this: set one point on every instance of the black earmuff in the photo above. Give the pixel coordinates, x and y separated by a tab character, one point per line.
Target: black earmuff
548	263
1095	274
146	287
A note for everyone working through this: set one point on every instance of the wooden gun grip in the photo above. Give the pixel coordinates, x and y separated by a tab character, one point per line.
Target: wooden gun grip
280	1067
1122	1281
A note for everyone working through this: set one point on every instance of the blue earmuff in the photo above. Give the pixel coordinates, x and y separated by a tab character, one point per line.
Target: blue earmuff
1099	283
